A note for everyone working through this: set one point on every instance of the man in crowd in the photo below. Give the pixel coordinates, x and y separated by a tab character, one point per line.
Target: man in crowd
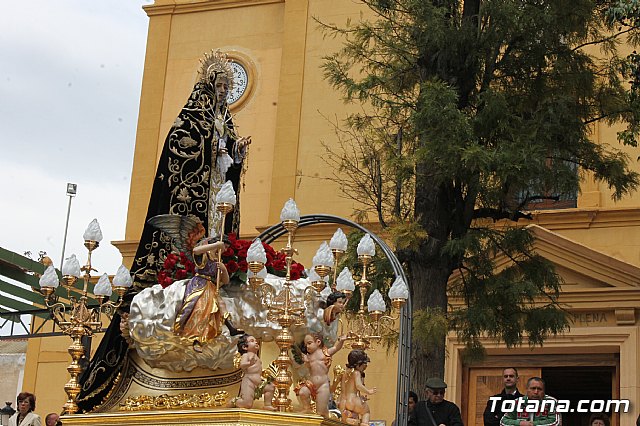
411	405
493	414
52	419
535	408
436	411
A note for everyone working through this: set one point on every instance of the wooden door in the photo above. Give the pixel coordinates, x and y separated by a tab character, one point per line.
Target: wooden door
485	382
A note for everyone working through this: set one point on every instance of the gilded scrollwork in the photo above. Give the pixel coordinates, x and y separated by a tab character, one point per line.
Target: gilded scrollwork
172	402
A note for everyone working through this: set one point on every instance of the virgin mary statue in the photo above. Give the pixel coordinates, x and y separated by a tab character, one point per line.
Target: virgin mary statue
200	153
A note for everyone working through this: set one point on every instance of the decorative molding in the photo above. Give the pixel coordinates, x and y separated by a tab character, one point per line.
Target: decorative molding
201	417
611	273
174	402
625	316
584	260
135	370
583	218
175	8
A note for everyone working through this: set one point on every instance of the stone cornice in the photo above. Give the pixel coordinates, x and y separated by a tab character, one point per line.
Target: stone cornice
581	218
569	254
175	7
584	260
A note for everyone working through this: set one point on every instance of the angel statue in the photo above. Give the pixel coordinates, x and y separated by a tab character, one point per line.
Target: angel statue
202	312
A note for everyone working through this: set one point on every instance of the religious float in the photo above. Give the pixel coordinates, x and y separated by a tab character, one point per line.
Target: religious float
192	327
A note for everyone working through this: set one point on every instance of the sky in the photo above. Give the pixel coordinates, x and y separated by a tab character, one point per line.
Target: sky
70	81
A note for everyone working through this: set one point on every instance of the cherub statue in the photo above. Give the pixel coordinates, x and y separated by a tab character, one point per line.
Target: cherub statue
354	393
323	317
253	383
334	307
317	358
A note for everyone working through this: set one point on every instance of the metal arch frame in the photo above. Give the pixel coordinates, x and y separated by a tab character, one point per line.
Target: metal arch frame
404	345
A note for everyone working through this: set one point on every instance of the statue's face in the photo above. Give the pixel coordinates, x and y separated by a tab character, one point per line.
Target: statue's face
339	305
362	367
222	89
252	344
311	343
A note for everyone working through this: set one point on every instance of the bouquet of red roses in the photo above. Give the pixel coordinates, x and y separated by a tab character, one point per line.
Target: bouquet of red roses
235	259
178	267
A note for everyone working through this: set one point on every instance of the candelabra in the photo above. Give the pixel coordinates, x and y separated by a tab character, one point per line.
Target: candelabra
74	316
338	245
284	307
225	203
287	309
375	322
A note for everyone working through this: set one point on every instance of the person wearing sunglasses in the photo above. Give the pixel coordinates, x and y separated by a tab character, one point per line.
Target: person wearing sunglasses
437	411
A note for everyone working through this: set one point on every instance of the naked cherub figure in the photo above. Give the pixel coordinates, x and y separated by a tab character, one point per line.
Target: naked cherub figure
253	385
354	392
318	360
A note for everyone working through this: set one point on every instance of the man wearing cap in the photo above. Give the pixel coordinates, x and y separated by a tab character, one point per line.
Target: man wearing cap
493	413
436	411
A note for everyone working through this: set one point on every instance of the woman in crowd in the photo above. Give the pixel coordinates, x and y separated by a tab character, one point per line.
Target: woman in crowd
25	415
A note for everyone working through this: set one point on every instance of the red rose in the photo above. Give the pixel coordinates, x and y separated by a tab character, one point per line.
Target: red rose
243	265
181	274
269	259
294	274
228	252
278	265
268	249
245	244
161	276
166	282
298	268
232	236
242	253
183	258
232	266
189	266
170	261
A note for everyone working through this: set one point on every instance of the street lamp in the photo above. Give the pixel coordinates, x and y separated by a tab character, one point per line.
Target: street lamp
6	413
72	189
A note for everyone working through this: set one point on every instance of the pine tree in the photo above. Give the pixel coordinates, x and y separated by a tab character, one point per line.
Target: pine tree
473	110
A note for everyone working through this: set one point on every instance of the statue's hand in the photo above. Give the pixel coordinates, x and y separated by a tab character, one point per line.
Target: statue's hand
243	142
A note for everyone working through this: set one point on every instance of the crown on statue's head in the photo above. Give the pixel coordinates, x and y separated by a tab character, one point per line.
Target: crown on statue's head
214	63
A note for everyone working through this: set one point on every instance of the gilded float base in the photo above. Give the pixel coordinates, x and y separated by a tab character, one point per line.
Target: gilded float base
217	417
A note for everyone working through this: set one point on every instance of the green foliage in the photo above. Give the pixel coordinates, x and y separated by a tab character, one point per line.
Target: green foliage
407	235
430	326
509	292
471	110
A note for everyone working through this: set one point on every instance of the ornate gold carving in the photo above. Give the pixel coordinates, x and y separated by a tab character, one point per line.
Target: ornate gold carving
171	402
